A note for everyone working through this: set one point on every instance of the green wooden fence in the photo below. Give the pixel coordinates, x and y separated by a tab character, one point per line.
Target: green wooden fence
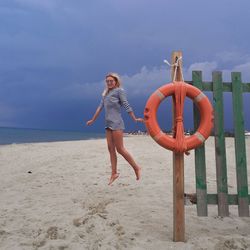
222	198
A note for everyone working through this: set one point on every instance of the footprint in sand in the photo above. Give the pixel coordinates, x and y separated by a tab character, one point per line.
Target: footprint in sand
119	231
232	244
77	222
52	233
90	228
123	184
80	221
39	243
75	200
3	232
99	208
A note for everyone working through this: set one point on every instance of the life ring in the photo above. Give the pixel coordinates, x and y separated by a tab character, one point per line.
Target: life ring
188	142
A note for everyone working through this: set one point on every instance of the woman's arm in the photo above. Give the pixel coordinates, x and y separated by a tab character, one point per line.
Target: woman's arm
90	122
134	117
125	104
97	112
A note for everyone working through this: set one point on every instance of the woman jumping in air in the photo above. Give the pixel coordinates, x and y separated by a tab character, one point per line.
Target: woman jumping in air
113	98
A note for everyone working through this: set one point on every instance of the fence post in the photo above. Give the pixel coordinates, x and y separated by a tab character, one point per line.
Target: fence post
200	161
240	145
220	149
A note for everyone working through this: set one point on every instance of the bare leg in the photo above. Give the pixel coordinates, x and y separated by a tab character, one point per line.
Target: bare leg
118	142
113	156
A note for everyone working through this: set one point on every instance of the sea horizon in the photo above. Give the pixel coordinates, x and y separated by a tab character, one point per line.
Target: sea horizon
17	135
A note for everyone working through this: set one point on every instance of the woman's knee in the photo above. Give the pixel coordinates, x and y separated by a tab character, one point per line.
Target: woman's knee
121	150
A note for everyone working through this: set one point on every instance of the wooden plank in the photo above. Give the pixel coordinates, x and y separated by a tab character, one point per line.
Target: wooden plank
212	199
200	161
178	173
208	86
240	146
220	148
227	86
246	87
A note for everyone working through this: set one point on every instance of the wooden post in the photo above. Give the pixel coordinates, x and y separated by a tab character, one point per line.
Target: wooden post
200	157
240	145
178	170
220	145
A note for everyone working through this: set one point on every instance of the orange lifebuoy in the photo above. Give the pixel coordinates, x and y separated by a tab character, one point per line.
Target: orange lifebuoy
187	142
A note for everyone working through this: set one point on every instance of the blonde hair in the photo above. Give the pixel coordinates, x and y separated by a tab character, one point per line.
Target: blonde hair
117	79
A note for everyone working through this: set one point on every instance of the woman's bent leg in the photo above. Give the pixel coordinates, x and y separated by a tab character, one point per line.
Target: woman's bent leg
118	142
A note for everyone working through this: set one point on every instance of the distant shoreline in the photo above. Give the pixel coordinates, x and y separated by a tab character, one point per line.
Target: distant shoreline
10	136
18	136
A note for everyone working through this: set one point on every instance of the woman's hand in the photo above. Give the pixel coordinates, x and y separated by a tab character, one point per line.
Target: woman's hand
90	122
134	117
139	120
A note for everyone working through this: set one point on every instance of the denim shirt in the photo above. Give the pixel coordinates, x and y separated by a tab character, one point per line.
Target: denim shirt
112	103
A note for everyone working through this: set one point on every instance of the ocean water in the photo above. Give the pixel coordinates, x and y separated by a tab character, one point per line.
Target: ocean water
20	135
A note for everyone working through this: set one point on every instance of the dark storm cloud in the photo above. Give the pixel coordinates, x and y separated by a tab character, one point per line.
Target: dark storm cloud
55	54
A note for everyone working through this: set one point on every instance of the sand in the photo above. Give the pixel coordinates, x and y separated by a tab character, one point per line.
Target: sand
55	196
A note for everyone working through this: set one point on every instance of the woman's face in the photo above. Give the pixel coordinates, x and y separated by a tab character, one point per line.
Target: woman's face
111	83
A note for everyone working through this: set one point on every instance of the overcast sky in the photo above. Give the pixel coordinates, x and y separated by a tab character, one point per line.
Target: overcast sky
54	54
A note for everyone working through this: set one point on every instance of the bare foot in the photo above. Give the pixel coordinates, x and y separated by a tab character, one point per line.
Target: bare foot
113	178
138	173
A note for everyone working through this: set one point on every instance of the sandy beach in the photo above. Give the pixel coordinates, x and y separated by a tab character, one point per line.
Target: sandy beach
55	196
